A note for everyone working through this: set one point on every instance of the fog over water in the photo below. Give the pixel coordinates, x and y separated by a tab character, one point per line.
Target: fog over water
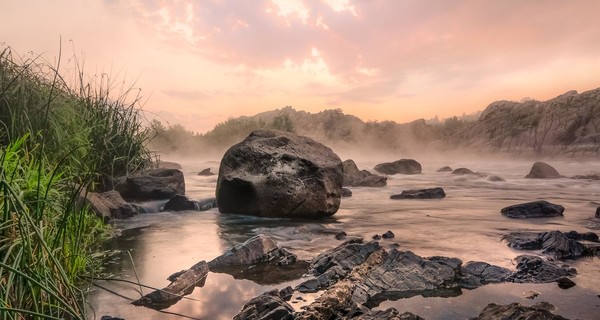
466	224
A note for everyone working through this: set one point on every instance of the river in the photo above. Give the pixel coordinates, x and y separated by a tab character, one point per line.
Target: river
466	224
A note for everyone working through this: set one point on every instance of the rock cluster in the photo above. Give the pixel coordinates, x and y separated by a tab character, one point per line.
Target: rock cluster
361	178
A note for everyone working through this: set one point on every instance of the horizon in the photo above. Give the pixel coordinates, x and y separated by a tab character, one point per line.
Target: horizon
200	62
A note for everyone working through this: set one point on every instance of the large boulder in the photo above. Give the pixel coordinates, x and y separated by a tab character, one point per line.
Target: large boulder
542	170
431	193
402	166
361	178
279	174
109	205
534	209
155	184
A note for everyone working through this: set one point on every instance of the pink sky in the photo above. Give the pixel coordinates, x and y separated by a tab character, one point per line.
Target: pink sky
200	62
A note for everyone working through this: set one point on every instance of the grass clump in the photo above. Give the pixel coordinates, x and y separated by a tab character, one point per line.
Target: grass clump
55	140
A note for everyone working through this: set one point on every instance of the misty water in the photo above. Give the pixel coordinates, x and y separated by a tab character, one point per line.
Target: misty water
466	224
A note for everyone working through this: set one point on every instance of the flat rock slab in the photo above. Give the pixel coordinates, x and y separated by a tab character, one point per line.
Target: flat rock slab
257	249
431	193
183	284
535	269
516	311
534	209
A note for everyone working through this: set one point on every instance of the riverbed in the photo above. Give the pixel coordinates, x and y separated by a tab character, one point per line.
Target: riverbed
466	224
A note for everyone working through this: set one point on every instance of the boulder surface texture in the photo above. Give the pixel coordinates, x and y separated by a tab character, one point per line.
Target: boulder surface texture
279	174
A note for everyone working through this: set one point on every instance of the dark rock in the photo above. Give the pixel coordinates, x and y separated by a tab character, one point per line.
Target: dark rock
515	311
534	269
597	213
560	246
376	237
444	169
206	172
524	240
169	165
286	293
535	209
477	273
152	185
402	166
542	170
530	294
587	236
347	256
591	177
432	193
179	203
257	249
565	283
346	193
495	179
340	235
462	171
388	235
279	174
543	305
363	178
389	314
110	318
109	205
182	285
268	306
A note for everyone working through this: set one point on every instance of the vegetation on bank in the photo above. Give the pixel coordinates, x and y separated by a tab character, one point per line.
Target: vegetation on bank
56	140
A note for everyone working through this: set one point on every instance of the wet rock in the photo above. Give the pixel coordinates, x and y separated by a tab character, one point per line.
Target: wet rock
334	303
152	185
402	166
523	240
515	311
361	178
495	179
535	209
542	170
109	205
388	235
346	193
534	269
565	283
597	213
376	237
477	273
340	235
462	171
268	306
169	165
560	246
279	174
544	306
206	172
591	177
389	314
110	318
258	249
530	294
347	256
444	169
286	293
587	236
432	193
181	203
182	285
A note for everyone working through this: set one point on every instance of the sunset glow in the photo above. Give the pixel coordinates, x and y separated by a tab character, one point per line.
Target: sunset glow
200	62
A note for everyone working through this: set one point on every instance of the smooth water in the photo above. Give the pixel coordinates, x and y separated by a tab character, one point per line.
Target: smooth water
466	224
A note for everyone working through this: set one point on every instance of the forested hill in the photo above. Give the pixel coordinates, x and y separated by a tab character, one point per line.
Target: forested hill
567	124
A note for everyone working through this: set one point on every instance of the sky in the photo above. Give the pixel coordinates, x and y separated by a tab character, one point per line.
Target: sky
199	62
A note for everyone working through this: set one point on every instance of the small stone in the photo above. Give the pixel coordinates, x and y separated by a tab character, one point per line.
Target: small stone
376	237
598	212
286	293
340	235
346	193
388	235
565	283
444	169
530	294
206	172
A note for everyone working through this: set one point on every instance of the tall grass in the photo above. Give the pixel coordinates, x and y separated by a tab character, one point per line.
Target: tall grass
56	139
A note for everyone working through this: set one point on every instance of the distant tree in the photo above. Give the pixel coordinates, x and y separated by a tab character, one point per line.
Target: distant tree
283	123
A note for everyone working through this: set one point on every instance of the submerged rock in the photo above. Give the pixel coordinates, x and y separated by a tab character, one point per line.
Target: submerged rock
516	311
432	193
279	174
109	205
495	179
182	284
206	172
152	185
477	273
534	269
555	243
542	170
346	193
361	178
388	235
181	203
534	209
462	171
169	165
402	166
444	169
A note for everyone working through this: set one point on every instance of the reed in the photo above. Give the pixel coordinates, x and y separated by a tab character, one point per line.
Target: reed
56	139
